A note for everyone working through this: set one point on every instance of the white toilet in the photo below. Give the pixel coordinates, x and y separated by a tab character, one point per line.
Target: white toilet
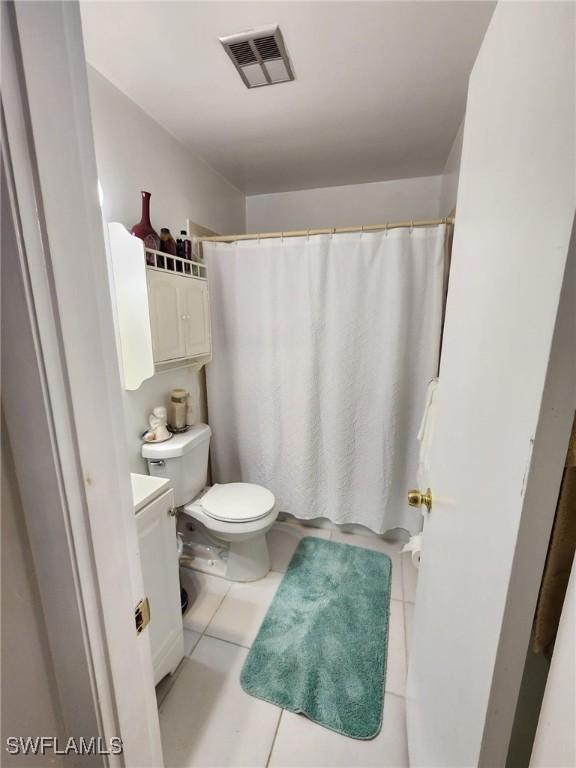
236	515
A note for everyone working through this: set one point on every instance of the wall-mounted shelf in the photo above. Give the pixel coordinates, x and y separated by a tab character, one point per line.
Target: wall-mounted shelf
161	306
165	262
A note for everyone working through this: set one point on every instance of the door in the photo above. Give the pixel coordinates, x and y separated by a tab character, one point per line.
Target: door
506	392
167	315
159	557
197	317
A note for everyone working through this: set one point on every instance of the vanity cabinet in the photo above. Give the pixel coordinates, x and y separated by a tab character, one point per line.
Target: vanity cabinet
156	527
161	308
179	316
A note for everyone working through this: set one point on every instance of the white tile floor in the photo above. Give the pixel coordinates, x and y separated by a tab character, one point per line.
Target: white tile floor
207	721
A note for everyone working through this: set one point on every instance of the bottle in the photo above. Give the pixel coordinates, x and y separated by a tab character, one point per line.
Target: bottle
177	410
167	243
180	248
187	244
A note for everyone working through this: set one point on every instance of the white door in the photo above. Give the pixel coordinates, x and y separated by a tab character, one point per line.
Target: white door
197	317
167	315
504	409
159	557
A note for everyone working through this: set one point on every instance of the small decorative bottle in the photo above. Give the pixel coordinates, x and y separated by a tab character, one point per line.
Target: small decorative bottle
187	244
144	229
167	242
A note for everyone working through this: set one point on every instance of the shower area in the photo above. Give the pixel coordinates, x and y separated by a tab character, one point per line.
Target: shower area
325	343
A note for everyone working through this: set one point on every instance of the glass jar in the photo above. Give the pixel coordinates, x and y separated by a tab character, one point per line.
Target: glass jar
177	410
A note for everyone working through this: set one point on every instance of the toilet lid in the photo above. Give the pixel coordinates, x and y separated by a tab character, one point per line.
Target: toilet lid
237	502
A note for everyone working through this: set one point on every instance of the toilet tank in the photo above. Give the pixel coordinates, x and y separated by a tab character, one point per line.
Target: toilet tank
183	460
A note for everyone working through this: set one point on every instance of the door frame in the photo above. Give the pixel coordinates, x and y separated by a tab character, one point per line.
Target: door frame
543	479
62	388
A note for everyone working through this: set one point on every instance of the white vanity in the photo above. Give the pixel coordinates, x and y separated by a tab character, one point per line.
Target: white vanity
156	524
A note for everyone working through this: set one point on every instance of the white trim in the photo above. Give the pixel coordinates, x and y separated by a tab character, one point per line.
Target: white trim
62	391
544	467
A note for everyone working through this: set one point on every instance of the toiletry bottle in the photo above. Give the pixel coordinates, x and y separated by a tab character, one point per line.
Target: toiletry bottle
167	244
180	248
187	244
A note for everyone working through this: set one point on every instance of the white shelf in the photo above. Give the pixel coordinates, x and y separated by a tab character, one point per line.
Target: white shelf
152	308
165	262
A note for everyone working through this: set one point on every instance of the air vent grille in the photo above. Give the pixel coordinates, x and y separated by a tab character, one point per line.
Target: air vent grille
267	48
260	56
243	53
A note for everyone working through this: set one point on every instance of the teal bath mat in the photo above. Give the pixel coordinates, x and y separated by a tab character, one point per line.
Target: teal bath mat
321	649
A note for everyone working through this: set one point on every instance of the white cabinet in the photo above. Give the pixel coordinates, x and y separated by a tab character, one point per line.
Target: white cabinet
167	315
159	558
161	308
179	316
199	337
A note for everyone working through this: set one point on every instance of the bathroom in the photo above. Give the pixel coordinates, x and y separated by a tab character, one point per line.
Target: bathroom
308	354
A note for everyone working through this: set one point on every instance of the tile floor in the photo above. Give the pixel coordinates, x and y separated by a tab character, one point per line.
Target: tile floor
207	721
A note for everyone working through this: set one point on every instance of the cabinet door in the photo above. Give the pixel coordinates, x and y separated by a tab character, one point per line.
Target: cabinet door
197	304
167	315
159	558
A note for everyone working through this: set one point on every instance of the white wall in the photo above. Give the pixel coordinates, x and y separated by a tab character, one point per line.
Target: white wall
134	153
29	698
555	743
373	203
450	176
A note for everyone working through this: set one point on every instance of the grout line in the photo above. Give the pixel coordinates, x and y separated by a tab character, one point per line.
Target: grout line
230	642
401	567
173	677
222	598
186	629
396	695
404	615
274	738
404	622
405	637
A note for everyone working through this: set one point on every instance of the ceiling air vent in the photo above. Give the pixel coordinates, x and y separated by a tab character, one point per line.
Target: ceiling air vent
260	56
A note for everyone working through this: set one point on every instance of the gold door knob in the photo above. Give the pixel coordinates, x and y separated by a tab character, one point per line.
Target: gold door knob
417	499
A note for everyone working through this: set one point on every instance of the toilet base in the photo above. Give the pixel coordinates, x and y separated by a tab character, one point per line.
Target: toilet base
244	560
248	560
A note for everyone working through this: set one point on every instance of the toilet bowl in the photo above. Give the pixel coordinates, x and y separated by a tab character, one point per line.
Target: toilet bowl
235	515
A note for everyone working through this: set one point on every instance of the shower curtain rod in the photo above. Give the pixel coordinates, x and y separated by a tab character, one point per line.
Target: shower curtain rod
328	231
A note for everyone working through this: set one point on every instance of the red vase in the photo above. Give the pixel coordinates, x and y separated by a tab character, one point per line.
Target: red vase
144	229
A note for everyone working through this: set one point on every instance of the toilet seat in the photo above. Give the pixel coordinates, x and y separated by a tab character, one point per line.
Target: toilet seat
237	502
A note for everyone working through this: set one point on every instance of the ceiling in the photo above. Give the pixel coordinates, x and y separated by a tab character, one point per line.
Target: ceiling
379	93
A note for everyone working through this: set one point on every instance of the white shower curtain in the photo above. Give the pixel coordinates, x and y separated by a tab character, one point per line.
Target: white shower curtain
323	347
